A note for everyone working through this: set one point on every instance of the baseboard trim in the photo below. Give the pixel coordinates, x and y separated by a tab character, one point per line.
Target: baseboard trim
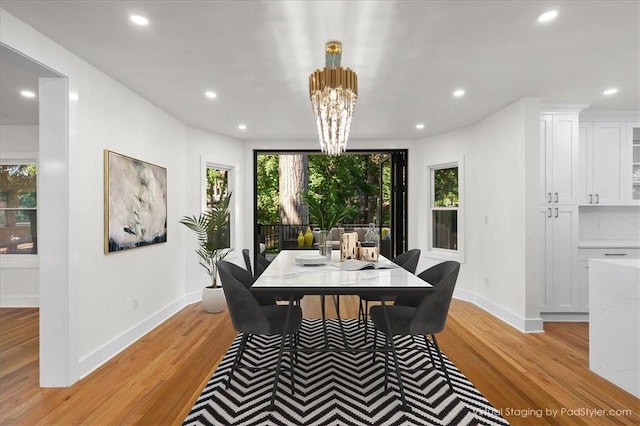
193	297
19	301
94	360
525	325
565	317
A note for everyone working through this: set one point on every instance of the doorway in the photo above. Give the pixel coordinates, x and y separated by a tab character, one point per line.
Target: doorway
50	116
372	181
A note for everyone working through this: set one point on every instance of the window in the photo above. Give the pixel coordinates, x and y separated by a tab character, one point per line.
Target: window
218	182
445	221
18	208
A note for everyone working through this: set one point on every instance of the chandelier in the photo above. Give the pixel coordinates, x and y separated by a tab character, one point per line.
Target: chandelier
333	92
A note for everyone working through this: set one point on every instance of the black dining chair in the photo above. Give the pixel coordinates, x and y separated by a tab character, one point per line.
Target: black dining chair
262	263
247	260
408	261
428	317
249	317
244	277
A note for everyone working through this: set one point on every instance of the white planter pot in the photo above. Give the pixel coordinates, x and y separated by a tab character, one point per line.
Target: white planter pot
213	300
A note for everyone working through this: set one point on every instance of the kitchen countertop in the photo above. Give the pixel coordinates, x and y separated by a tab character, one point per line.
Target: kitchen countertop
614	330
600	244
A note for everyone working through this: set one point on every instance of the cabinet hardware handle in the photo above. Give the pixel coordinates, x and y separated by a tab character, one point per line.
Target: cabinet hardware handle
556	197
615	254
590	198
597	198
549	212
548	197
556	212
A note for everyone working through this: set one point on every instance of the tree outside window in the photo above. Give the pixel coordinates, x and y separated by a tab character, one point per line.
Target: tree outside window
217	186
18	209
444	208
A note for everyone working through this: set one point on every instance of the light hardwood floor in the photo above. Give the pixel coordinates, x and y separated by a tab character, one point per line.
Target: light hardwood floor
533	378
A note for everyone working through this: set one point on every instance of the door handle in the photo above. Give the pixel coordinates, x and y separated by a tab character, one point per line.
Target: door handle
549	212
597	198
556	197
556	212
548	197
590	198
615	254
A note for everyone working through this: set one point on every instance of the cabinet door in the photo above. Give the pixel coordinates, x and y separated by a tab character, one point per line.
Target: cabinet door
564	246
546	146
585	164
583	285
564	158
609	147
545	228
633	164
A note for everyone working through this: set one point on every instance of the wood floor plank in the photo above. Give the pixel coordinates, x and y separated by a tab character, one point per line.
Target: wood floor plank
532	378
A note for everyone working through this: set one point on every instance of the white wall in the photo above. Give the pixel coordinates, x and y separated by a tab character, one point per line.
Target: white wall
90	297
19	273
501	270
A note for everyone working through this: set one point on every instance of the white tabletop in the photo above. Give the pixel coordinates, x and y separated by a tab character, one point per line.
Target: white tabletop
284	274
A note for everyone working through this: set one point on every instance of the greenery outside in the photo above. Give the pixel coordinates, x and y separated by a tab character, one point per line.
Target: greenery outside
349	180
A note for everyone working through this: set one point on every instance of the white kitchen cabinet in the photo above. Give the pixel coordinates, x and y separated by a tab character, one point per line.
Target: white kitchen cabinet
633	137
560	291
558	158
584	254
602	164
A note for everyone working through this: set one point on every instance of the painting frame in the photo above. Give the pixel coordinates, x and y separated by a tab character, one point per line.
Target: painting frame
135	203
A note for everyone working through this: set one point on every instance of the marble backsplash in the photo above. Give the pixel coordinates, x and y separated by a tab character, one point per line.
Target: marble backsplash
609	223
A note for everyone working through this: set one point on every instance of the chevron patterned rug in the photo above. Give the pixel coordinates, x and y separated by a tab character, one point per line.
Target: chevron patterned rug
338	388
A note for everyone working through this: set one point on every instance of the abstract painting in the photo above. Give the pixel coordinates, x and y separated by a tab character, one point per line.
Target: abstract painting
135	203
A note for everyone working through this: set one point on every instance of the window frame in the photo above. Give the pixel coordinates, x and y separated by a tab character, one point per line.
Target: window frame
22	260
206	165
436	252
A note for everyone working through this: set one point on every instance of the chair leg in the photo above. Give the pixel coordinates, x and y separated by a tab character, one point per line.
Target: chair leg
426	342
375	346
365	318
386	365
236	361
444	367
292	355
359	311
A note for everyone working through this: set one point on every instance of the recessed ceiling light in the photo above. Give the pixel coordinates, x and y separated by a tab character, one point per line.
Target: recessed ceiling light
611	91
27	94
548	16
242	126
209	94
139	20
420	126
73	96
458	93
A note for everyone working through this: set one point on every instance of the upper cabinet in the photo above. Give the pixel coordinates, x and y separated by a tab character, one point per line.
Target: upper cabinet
559	158
633	136
602	163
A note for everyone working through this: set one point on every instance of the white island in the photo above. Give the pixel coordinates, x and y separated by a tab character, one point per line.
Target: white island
614	321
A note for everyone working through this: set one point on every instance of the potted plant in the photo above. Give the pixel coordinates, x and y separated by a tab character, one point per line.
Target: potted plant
212	231
326	214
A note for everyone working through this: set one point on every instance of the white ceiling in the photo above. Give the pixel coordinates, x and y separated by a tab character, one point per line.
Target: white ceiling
409	56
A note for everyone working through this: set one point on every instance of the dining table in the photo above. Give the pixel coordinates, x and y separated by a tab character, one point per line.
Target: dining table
297	273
